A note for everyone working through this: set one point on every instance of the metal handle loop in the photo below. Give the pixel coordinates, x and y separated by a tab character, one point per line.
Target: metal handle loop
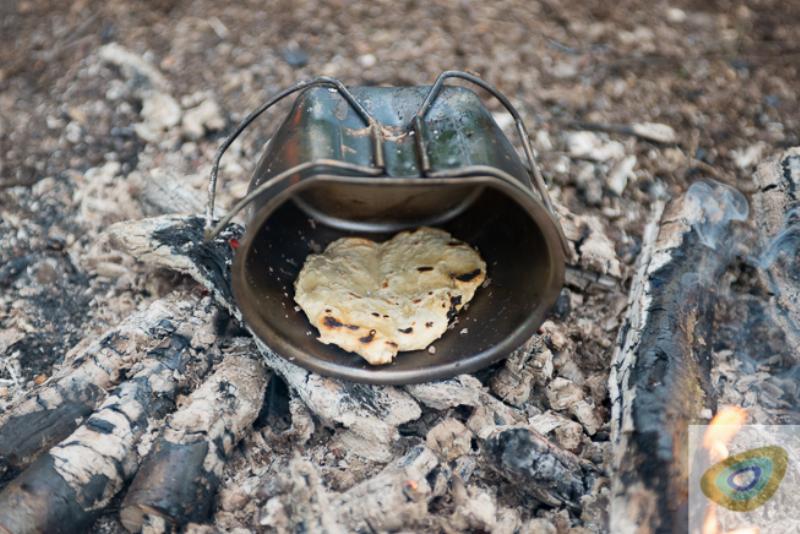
211	233
419	119
323	80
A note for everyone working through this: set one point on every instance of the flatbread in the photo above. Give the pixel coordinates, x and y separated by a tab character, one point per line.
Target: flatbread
376	299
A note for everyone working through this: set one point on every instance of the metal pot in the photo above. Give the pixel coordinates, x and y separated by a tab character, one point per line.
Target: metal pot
371	161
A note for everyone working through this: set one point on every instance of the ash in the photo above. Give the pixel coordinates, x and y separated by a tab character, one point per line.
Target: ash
112	113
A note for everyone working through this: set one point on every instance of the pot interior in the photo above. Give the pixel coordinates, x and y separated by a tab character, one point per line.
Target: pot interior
524	265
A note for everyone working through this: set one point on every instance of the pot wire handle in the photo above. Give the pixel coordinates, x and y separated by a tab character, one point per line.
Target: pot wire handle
212	232
530	154
322	80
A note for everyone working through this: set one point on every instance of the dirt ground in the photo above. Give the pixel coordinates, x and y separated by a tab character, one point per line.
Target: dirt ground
722	75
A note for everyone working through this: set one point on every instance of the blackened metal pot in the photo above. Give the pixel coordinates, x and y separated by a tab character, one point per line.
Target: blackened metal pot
371	161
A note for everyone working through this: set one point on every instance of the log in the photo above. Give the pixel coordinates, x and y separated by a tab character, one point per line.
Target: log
538	467
66	488
521	455
371	414
659	381
395	498
52	411
776	211
178	480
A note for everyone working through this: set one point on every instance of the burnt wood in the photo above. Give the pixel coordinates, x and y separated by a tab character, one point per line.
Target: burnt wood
659	382
179	478
52	411
70	484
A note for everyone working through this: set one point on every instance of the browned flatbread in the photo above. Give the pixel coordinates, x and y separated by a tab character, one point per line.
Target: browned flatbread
376	299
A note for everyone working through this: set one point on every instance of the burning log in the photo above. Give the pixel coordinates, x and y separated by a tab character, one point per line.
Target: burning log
53	411
370	413
776	210
66	488
395	498
179	478
659	380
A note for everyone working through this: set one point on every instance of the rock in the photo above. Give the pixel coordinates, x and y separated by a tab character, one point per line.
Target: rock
206	117
676	15
746	158
562	394
654	131
136	69
295	56
367	60
620	173
160	111
588	184
73	132
542	141
588	145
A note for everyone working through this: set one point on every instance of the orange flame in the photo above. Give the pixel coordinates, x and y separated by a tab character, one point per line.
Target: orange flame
728	421
721	430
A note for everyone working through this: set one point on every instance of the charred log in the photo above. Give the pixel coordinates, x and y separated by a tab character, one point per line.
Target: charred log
659	381
370	413
776	210
398	496
67	487
179	478
527	459
53	411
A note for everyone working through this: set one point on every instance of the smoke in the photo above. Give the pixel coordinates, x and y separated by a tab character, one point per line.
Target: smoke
756	338
720	205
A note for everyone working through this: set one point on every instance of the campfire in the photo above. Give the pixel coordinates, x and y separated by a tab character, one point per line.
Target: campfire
188	410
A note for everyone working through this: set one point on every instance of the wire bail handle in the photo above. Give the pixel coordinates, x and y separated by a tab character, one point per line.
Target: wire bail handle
211	230
537	180
534	173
